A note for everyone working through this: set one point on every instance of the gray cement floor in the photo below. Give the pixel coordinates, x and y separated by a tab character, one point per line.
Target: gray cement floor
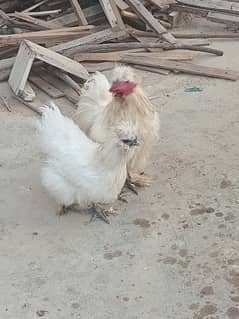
172	252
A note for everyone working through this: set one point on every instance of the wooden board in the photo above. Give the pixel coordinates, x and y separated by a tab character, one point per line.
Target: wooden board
112	13
44	36
162	4
97	37
185	67
219	5
48	88
79	12
44	24
197	42
69	93
119	55
149	69
223	18
148	18
121	4
102	66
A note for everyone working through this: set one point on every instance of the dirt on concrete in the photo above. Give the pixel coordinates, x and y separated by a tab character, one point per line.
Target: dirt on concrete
156	259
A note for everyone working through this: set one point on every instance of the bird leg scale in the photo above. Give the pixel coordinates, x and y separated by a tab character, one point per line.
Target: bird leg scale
95	213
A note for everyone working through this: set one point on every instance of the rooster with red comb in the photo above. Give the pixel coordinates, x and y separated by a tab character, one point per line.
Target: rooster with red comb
102	105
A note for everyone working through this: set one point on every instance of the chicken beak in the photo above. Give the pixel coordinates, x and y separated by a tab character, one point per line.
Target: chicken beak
134	142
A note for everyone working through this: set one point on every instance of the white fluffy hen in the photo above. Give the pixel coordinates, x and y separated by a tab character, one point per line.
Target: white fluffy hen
102	105
78	170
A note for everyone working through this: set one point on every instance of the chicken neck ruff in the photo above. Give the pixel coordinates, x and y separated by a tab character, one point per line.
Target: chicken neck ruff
136	109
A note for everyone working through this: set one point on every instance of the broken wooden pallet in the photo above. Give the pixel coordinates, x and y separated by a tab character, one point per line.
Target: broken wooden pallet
29	51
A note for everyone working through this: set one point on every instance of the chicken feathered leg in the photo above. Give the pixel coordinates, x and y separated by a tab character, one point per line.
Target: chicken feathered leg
139	180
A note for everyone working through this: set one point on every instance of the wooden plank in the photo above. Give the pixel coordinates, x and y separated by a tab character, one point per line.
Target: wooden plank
197	42
44	24
57	60
44	36
112	14
21	69
149	69
219	5
46	87
223	18
79	13
119	56
97	37
70	94
70	19
162	4
185	67
148	18
188	35
102	66
121	5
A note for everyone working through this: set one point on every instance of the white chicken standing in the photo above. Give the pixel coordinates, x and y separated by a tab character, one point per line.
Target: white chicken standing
101	105
78	170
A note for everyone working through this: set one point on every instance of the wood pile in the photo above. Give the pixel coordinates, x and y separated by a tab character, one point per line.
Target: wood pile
99	33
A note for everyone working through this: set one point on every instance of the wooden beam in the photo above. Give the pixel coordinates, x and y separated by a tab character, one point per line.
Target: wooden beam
45	36
79	13
97	37
146	45
121	5
148	18
118	56
218	5
223	18
112	13
185	67
46	25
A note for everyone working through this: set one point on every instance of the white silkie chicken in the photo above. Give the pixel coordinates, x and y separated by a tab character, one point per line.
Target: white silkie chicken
102	105
78	170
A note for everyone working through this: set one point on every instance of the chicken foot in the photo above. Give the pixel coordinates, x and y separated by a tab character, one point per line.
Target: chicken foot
139	180
101	213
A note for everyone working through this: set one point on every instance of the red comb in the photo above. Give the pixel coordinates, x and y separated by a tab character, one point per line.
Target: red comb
122	88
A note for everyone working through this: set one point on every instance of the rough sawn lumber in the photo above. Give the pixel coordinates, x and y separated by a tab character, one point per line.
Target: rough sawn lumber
184	67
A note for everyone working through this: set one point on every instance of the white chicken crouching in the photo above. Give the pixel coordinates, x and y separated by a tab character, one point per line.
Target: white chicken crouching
78	170
129	103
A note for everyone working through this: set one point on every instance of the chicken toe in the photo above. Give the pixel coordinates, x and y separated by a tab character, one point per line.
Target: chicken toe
95	213
140	180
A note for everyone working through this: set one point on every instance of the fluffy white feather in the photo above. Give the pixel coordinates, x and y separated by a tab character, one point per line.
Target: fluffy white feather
79	170
94	97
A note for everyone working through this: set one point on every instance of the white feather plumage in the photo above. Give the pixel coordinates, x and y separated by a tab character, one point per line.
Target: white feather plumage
79	170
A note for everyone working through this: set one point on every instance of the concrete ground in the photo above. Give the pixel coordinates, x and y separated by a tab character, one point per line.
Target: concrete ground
172	252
